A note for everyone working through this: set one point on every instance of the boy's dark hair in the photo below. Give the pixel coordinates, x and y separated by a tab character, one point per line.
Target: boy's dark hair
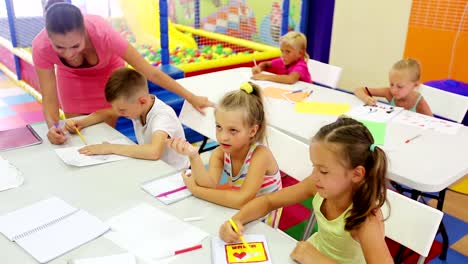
62	17
124	82
352	142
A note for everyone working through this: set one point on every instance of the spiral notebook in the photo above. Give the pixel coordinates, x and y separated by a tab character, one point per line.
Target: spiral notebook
18	138
168	189
50	228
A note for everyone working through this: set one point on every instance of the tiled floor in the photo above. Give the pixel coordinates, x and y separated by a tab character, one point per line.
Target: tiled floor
17	108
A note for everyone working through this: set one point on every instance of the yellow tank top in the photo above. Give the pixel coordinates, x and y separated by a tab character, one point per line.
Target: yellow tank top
332	239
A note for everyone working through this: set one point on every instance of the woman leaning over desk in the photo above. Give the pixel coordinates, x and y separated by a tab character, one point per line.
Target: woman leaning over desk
86	50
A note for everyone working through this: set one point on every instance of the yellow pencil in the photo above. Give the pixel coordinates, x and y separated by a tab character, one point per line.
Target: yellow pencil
81	136
234	226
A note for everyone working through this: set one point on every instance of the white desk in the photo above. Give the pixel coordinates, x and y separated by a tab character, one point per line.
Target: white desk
429	164
106	190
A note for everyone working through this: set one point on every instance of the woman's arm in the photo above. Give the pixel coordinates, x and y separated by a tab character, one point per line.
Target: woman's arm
50	104
160	78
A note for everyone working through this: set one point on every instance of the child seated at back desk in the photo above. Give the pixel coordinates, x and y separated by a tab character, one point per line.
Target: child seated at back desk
404	81
153	120
292	66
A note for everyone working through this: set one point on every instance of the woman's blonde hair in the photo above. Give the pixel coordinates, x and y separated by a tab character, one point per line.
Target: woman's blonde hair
250	101
410	65
297	40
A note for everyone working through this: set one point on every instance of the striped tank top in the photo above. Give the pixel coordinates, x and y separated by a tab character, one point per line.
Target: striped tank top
271	183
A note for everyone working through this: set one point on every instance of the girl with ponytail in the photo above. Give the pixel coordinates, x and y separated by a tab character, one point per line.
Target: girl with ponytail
349	188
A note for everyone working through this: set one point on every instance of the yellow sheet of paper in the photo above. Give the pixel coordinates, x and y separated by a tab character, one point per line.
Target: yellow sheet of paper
279	93
322	108
236	253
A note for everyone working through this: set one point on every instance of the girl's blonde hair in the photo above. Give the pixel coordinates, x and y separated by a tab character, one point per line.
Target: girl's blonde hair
410	65
353	143
297	40
249	100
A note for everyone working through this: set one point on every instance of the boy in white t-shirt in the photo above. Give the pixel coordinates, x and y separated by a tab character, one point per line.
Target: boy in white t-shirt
153	120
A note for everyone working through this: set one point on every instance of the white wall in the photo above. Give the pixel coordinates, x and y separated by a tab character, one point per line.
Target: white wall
368	36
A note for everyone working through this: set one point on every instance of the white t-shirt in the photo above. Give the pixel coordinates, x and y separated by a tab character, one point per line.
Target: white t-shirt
162	117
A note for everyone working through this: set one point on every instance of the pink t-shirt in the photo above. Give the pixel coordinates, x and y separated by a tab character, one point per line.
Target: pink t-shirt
278	67
81	90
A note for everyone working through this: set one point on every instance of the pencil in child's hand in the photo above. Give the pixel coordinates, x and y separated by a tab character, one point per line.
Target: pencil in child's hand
81	136
368	92
247	247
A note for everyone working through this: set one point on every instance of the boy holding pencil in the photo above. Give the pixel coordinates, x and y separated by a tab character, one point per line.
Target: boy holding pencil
153	120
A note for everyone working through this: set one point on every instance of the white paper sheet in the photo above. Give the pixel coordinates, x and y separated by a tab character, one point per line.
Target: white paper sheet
10	176
152	234
379	113
71	156
427	122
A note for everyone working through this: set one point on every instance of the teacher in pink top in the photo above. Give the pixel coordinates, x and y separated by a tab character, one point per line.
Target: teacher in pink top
85	51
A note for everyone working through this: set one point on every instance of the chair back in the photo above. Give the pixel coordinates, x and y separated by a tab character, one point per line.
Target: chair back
410	223
445	104
324	74
291	154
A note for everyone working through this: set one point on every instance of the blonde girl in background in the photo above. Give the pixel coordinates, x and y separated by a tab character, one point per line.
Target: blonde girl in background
348	184
404	78
291	66
246	166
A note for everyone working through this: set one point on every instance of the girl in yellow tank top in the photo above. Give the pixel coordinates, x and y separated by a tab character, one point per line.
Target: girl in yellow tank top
349	184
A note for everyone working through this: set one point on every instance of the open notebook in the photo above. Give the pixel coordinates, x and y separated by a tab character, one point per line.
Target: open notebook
168	189
50	228
224	253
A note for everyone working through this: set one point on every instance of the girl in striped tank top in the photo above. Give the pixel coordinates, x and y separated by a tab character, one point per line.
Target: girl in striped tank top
241	168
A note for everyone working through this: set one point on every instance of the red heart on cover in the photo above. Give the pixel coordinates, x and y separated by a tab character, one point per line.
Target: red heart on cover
239	255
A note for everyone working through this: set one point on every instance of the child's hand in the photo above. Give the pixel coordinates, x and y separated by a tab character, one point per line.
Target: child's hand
260	77
370	100
303	253
227	233
182	147
189	180
256	70
56	135
98	149
71	124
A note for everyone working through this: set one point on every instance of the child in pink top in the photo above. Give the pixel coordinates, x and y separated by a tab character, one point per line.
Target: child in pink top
292	66
85	51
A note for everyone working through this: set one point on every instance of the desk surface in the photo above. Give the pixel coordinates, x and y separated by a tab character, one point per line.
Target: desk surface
106	190
431	163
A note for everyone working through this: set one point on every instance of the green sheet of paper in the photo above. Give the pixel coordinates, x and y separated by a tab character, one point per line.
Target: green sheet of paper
322	108
377	130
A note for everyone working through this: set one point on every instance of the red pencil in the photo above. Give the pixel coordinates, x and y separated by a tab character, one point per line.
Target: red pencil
171	191
180	251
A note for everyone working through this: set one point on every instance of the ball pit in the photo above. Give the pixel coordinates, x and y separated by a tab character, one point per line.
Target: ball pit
187	55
